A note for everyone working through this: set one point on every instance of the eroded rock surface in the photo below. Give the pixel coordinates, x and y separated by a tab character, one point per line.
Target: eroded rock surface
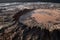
32	24
49	18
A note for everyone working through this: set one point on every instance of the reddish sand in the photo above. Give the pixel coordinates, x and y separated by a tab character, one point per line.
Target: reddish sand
45	16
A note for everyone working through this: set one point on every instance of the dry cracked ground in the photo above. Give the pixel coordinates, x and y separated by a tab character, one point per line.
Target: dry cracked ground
30	24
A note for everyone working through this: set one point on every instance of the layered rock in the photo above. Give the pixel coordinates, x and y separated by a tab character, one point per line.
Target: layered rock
32	24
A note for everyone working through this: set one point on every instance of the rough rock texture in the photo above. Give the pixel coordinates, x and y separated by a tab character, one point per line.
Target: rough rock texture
31	24
49	18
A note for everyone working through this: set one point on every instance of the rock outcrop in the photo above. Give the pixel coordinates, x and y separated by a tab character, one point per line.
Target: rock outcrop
32	24
47	17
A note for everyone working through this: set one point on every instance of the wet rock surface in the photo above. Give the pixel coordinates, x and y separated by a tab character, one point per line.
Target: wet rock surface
30	24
